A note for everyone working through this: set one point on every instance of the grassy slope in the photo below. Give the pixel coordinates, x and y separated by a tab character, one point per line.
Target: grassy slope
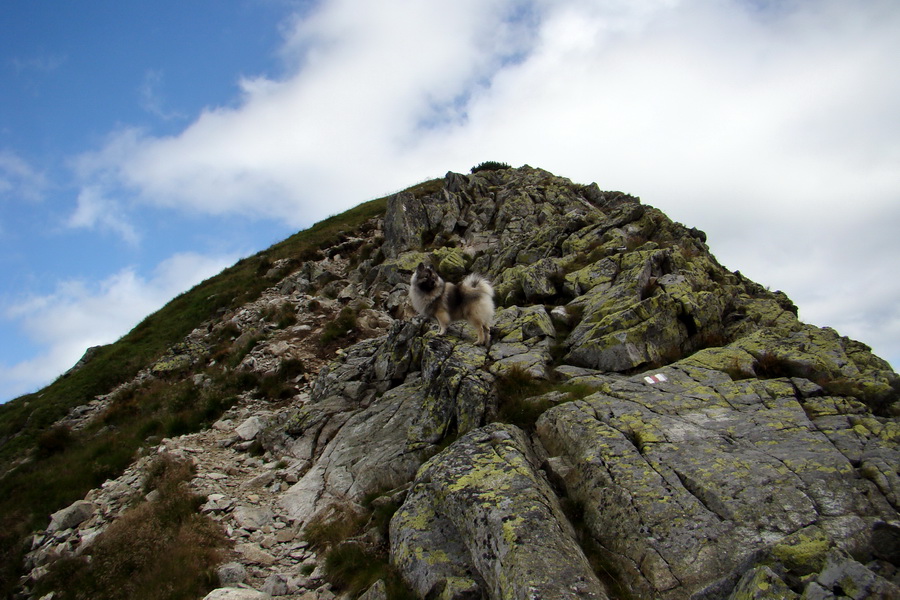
22	418
49	481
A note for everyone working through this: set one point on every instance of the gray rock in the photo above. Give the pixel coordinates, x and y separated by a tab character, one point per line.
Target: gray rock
692	477
72	516
762	583
356	460
252	518
231	574
480	516
377	591
230	593
276	585
250	428
255	554
854	579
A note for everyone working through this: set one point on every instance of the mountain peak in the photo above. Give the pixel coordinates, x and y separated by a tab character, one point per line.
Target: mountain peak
644	422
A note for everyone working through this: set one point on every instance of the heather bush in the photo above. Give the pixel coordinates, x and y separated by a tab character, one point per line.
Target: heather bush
490	165
158	550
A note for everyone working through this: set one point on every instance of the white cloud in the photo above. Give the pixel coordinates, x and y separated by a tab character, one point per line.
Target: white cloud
338	130
152	98
96	211
20	180
78	315
770	125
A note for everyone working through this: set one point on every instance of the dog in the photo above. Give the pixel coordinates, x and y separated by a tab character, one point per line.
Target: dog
472	300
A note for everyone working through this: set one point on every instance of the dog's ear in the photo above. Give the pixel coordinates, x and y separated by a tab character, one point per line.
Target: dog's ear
420	268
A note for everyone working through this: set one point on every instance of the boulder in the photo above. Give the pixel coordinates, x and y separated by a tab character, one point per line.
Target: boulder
252	518
231	574
250	428
72	516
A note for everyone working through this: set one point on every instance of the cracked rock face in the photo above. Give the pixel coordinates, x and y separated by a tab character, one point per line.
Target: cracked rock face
688	479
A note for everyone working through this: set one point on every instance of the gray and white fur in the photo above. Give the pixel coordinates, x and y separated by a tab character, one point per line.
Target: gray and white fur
472	299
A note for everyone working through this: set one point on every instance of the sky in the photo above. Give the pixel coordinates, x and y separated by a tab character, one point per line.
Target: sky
145	146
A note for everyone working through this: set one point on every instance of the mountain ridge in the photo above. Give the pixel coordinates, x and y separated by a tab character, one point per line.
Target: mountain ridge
619	341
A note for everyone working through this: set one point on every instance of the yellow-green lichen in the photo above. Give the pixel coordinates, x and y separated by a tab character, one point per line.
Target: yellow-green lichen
803	552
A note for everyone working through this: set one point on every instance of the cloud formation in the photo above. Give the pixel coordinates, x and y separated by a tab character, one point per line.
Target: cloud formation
770	125
78	315
19	180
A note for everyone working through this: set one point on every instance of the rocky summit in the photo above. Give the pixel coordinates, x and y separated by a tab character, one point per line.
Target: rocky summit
644	424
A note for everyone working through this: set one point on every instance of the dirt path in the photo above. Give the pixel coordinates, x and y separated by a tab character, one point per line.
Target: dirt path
242	490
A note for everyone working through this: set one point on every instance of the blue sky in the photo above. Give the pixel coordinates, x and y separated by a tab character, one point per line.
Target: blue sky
146	146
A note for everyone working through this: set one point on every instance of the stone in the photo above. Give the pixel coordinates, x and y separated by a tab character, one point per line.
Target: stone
377	591
255	554
252	518
73	515
231	574
276	585
230	593
250	428
762	583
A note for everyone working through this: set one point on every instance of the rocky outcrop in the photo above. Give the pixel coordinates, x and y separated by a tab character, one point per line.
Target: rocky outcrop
481	518
694	439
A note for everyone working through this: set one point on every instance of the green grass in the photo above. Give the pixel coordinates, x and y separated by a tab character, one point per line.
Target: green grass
521	401
342	325
490	165
353	563
23	418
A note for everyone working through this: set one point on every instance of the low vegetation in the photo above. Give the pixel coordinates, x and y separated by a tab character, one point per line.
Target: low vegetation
158	550
523	398
490	165
339	327
353	541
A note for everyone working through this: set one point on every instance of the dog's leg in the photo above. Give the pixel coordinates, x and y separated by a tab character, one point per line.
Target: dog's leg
484	335
443	320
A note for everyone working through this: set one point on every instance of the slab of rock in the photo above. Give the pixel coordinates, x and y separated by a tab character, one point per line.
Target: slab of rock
250	428
252	518
480	516
255	554
72	516
230	593
688	479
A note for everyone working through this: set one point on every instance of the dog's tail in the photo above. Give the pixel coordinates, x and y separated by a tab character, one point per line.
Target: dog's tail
475	285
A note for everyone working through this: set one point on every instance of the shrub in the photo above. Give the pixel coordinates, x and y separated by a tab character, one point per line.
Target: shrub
55	440
339	327
284	315
290	368
490	165
334	526
352	564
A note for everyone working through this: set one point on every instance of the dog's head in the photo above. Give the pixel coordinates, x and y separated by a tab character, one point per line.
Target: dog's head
426	277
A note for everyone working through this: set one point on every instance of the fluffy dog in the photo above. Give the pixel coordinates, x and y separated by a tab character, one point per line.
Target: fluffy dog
472	300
